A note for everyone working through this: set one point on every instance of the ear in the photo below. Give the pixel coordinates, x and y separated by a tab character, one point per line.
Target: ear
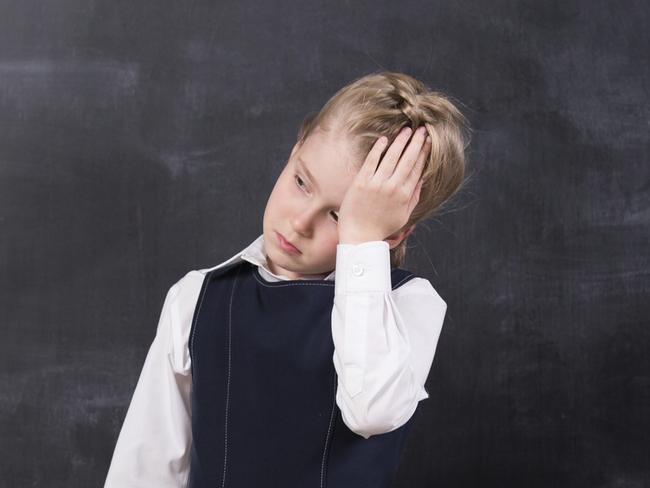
395	239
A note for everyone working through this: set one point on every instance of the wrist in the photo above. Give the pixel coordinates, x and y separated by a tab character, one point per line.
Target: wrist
350	237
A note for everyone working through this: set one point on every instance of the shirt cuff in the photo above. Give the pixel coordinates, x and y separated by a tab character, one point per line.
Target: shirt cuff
362	267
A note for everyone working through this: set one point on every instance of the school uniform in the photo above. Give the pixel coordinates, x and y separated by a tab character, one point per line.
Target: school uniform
254	379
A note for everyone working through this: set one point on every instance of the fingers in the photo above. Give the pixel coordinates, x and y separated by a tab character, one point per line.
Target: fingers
411	154
414	155
413	178
389	161
372	159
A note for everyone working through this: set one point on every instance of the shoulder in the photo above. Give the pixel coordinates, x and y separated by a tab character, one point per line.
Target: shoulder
184	290
419	287
190	284
184	293
180	303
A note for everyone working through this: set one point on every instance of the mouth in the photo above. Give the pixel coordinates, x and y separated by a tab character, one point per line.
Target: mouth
286	245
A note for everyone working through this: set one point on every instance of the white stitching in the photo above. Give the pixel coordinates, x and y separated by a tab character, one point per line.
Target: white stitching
198	313
194	362
278	285
225	454
329	430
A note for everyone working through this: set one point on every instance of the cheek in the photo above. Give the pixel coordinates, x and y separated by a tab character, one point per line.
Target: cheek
283	196
290	194
327	246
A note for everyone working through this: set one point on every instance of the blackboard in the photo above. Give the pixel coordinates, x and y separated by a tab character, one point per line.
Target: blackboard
140	140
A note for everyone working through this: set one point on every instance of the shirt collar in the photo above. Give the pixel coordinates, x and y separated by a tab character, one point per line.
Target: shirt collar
254	253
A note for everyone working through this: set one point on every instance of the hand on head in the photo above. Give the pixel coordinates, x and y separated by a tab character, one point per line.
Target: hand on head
381	198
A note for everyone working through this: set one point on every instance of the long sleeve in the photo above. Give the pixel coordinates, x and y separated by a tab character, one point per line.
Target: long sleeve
154	443
384	340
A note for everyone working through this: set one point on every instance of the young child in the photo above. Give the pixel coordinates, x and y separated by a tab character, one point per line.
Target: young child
300	361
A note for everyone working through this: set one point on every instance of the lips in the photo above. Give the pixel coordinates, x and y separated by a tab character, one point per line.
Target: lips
286	243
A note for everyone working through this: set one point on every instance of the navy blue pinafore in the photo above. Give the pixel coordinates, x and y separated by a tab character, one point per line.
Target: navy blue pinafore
264	410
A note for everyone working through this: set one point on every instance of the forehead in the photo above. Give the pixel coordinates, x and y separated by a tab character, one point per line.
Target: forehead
329	150
328	157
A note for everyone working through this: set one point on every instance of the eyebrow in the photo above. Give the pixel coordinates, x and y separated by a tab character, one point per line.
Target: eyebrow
309	175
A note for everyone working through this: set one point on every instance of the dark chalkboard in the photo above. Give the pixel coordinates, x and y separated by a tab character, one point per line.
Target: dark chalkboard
140	140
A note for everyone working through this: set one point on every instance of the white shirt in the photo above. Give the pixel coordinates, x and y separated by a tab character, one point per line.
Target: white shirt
384	343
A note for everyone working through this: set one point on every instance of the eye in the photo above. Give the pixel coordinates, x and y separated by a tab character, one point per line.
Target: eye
301	184
299	179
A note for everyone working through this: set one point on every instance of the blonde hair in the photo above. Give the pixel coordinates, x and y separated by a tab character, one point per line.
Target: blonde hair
381	104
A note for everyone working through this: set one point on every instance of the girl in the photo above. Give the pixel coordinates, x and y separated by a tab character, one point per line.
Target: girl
300	361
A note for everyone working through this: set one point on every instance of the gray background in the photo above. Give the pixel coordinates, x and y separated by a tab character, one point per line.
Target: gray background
140	140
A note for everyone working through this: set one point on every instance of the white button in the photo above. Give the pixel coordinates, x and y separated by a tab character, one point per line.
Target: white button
357	269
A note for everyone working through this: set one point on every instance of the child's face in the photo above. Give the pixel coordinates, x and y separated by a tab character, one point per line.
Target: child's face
304	209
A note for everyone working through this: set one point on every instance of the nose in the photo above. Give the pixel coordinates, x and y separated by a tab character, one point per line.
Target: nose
303	222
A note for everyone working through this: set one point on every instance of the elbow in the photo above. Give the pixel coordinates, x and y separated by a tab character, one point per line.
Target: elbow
375	421
365	429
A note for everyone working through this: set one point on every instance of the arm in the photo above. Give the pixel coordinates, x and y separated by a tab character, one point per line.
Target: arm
384	340
153	446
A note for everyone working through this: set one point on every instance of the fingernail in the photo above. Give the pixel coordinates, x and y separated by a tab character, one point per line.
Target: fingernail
406	130
421	130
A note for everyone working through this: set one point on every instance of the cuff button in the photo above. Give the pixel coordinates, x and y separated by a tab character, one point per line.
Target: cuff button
357	269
